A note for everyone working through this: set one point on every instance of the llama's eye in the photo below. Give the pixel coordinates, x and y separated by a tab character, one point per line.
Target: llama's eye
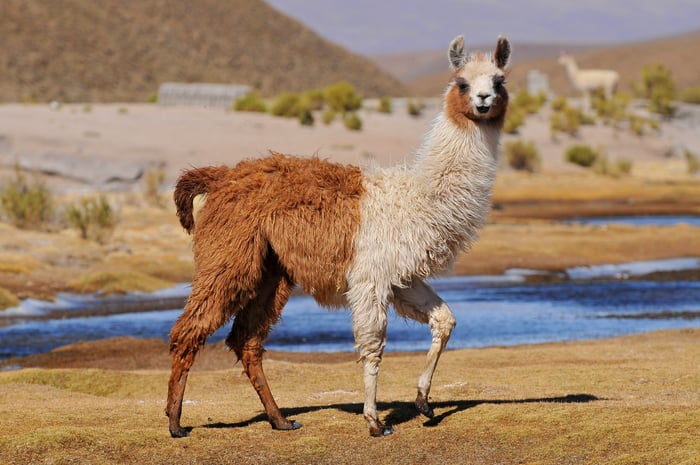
462	85
499	82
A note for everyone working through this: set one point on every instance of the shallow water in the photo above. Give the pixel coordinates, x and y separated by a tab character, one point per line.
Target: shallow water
641	220
495	310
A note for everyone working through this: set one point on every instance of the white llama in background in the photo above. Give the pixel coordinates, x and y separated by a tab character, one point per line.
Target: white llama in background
589	80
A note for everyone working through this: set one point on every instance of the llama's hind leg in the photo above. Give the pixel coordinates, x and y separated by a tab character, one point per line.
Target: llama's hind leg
420	302
250	330
186	338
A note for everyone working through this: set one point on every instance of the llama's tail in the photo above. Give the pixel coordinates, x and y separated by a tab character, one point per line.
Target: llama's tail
194	182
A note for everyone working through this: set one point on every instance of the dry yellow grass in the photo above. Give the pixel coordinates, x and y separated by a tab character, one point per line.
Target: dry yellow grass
617	401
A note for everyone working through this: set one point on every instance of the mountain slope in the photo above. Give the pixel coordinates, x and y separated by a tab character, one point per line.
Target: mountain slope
676	53
121	50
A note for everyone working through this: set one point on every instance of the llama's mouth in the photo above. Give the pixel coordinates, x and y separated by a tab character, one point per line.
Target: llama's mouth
483	108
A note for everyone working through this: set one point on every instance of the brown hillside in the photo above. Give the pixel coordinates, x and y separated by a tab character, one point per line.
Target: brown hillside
676	53
114	50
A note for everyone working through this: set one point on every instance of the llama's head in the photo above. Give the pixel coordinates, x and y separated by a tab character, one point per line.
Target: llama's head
566	59
477	91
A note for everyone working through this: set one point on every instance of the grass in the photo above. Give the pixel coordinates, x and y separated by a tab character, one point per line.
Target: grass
116	282
607	401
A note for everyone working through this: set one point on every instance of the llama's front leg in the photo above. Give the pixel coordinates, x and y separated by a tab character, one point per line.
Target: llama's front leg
370	338
420	302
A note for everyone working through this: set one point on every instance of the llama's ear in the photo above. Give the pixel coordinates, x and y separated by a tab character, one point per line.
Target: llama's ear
502	54
456	53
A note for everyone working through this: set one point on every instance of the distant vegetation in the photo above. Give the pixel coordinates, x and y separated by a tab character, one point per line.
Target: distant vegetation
522	155
659	88
93	217
26	204
7	299
581	155
339	99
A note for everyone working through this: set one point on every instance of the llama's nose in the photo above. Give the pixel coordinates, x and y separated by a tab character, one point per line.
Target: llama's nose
483	96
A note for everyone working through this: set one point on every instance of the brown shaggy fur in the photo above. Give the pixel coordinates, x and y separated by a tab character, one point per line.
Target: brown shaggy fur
266	225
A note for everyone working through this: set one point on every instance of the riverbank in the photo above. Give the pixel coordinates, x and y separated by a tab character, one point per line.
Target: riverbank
606	401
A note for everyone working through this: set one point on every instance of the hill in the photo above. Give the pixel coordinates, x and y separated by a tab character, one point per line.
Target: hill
676	53
113	50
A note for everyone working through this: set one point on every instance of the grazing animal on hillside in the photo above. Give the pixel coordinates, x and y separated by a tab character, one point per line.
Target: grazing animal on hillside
365	239
589	80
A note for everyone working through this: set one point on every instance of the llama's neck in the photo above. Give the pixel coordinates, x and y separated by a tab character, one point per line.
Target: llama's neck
457	168
457	161
573	71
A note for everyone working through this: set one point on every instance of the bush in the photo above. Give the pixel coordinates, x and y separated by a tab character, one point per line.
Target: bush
352	121
690	95
582	155
152	180
250	102
93	217
515	117
522	155
286	104
313	100
604	166
415	107
567	120
611	111
385	105
27	206
342	97
529	103
306	118
657	86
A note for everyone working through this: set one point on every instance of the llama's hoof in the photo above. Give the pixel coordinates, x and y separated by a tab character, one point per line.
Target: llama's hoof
287	426
179	433
379	430
423	406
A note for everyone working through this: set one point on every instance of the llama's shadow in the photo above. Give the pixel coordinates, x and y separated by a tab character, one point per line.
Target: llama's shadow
402	412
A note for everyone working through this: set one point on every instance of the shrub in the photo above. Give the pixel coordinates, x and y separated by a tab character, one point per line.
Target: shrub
522	155
515	117
342	97
27	206
352	121
582	155
415	107
152	98
286	104
152	180
385	105
93	217
613	110
306	118
559	103
250	102
657	86
567	120
529	103
313	99
604	166
690	95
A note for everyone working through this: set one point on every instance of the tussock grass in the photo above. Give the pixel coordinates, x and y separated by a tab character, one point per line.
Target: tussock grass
115	282
7	299
624	400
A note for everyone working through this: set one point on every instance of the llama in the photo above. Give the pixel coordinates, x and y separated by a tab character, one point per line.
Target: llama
589	80
363	239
